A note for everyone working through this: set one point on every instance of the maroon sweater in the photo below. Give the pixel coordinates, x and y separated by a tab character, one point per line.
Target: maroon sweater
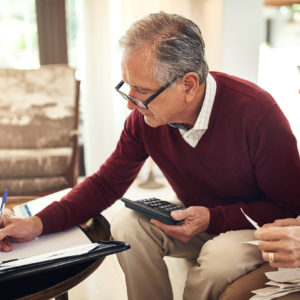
247	158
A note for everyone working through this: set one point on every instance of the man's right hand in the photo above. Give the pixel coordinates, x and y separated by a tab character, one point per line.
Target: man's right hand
18	230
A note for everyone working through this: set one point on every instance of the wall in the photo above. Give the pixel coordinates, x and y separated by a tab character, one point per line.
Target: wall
209	15
242	36
278	71
233	32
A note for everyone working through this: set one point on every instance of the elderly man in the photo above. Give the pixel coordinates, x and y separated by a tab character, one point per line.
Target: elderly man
221	142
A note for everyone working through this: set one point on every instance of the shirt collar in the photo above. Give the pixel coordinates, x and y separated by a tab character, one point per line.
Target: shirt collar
209	98
204	115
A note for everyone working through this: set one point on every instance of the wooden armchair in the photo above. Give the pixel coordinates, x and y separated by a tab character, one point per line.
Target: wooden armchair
39	112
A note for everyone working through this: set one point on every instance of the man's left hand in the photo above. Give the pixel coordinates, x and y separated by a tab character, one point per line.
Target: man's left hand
195	220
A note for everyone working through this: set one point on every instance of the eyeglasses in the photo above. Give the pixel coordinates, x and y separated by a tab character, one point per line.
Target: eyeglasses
143	104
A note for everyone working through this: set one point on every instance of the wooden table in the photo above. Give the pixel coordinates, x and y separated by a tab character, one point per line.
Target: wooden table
56	283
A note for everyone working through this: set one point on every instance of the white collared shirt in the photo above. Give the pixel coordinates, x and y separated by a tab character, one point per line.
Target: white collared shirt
193	136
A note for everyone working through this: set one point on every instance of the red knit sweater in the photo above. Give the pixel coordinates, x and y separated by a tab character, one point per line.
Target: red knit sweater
247	158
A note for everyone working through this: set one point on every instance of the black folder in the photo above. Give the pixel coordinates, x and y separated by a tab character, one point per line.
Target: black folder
105	248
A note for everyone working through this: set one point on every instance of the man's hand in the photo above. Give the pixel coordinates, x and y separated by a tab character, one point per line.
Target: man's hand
283	223
195	220
18	230
281	240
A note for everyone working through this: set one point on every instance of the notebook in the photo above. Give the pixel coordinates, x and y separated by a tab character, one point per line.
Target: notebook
54	250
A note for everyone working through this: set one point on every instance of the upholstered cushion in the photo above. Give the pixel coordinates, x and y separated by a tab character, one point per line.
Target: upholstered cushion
28	186
36	107
37	118
34	162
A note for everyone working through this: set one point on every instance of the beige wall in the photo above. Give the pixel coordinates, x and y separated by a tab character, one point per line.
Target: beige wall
133	10
232	30
208	14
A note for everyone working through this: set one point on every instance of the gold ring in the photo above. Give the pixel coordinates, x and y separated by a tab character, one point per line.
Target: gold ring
271	257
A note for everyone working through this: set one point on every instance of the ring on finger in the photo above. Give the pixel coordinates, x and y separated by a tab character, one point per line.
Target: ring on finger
271	257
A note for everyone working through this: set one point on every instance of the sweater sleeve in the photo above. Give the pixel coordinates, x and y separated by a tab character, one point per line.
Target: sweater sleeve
100	190
276	163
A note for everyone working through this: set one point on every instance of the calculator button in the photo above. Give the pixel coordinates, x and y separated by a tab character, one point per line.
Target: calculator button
154	204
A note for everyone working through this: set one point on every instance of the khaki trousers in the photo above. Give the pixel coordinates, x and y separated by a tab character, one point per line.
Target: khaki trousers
220	259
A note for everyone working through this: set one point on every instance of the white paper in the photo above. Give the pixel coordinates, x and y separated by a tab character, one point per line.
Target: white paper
47	243
274	296
255	242
68	252
33	207
281	285
250	220
283	282
284	274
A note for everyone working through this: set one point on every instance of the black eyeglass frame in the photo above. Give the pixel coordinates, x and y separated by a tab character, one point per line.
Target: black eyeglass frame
143	104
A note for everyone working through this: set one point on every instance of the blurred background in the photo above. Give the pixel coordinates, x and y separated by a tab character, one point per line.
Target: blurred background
255	39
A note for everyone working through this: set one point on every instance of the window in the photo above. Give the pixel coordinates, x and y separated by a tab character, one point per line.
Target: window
73	32
18	34
279	60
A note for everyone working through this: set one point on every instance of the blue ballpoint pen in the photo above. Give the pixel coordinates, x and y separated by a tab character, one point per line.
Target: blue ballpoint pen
3	202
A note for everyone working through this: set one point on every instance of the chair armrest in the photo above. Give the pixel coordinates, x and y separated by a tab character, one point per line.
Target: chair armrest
97	229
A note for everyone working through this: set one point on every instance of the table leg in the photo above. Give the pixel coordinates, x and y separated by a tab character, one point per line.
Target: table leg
63	296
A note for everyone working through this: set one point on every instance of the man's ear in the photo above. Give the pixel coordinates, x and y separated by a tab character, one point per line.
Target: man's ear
191	85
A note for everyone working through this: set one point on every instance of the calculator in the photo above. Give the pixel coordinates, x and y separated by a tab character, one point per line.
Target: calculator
154	208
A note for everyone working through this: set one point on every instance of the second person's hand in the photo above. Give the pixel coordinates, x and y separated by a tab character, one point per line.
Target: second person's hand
280	243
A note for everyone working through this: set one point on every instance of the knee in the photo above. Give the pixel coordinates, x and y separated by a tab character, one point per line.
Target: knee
229	256
216	259
123	225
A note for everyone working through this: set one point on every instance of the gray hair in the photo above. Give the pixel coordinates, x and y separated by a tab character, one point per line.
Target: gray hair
176	45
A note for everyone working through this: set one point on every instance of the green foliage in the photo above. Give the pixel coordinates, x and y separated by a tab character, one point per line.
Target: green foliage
18	33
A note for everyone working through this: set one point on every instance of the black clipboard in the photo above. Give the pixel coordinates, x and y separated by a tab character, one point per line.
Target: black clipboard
105	248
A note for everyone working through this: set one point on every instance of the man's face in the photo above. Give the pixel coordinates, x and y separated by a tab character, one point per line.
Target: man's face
137	73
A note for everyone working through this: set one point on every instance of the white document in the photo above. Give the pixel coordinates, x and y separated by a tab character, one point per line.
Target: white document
255	225
255	242
284	274
275	295
33	207
46	243
64	253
